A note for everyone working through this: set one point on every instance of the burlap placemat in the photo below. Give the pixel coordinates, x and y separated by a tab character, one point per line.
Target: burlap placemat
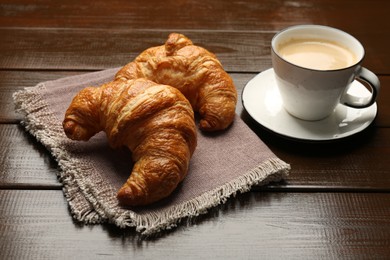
91	172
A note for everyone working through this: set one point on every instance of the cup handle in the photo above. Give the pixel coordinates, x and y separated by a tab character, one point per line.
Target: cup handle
361	102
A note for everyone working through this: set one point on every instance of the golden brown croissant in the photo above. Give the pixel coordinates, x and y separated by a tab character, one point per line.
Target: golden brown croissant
193	70
156	122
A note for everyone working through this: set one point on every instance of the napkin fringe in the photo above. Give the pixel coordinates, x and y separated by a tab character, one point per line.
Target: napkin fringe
271	170
39	121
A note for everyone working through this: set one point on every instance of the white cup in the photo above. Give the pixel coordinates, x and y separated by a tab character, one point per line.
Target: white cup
312	93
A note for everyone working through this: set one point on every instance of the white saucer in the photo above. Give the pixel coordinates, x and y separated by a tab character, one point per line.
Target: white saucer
262	101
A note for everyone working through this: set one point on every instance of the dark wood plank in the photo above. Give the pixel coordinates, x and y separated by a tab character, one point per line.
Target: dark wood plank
25	163
344	208
347	164
37	224
357	163
92	49
13	80
383	116
196	14
86	49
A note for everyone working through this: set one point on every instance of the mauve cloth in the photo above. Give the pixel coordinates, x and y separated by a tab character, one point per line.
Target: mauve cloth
223	164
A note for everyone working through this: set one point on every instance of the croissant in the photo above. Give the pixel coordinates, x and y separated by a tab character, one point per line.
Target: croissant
156	122
193	70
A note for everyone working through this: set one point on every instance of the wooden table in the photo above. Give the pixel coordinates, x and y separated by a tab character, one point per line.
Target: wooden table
334	204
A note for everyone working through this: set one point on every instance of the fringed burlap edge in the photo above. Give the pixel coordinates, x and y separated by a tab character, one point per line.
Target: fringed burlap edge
272	170
40	122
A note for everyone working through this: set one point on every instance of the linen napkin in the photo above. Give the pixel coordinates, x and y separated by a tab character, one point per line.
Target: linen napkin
91	172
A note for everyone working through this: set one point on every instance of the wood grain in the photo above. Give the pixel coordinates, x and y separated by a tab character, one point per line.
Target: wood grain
23	161
14	80
252	226
254	15
334	205
84	49
354	164
93	49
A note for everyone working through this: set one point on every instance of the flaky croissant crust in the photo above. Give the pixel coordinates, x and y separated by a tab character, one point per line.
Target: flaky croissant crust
156	122
196	72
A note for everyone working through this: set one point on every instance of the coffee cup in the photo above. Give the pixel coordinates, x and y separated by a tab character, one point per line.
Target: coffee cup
314	67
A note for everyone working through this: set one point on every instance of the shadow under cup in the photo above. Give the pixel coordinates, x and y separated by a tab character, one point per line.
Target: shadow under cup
313	94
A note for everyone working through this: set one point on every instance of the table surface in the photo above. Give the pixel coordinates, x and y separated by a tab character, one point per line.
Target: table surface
334	204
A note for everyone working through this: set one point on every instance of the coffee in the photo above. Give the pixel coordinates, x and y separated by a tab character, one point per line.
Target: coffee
316	54
333	57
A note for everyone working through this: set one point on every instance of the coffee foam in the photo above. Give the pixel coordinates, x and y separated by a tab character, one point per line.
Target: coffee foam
316	54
